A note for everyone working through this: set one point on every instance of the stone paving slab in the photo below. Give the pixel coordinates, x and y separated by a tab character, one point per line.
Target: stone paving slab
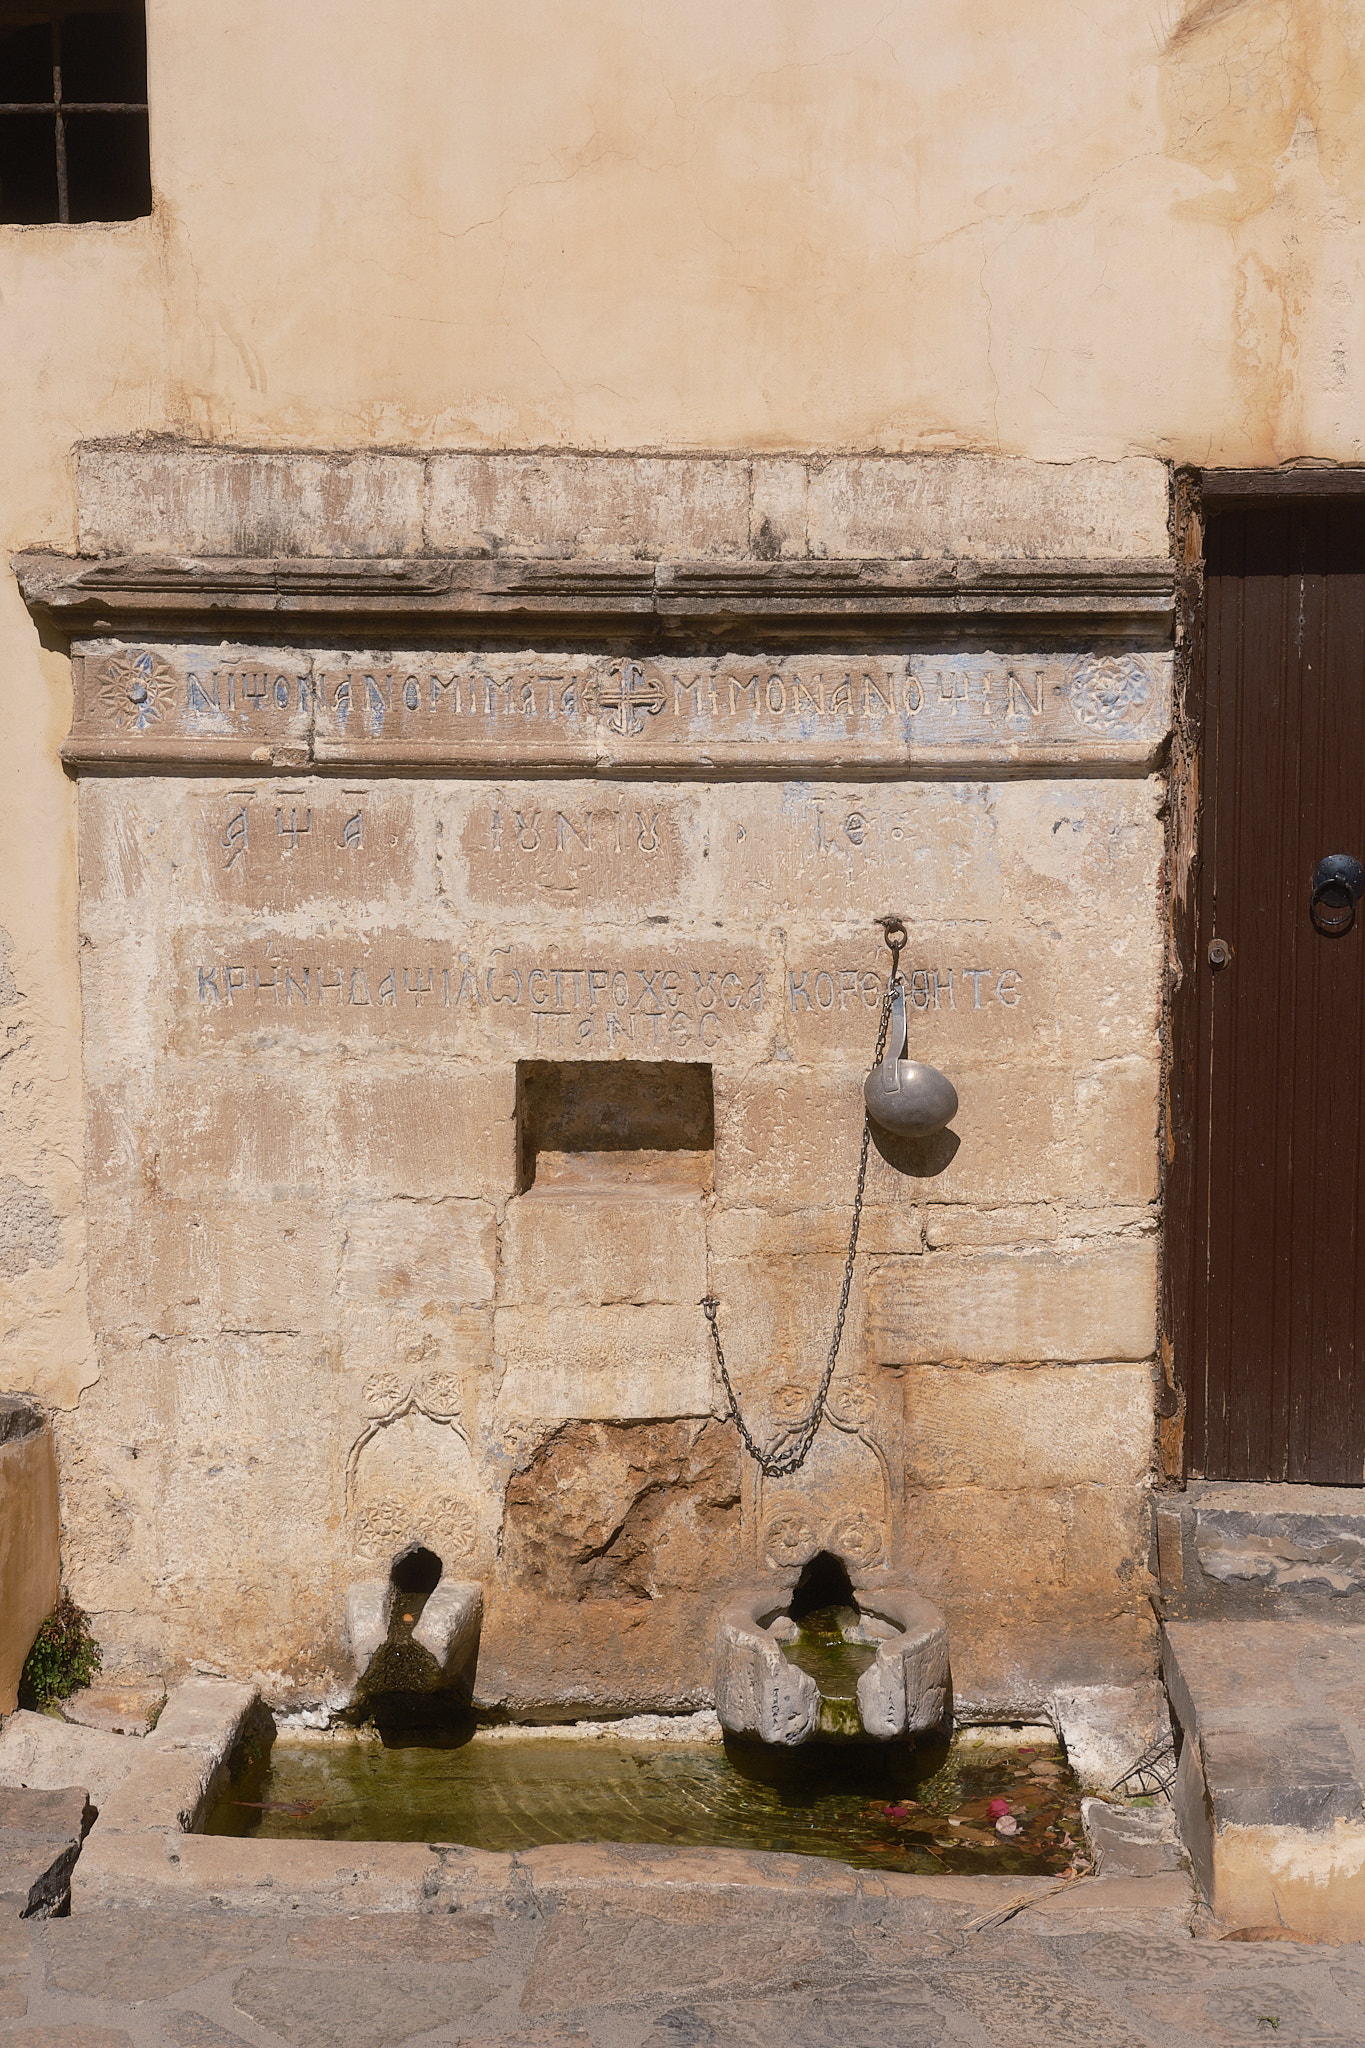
40	1838
1112	1963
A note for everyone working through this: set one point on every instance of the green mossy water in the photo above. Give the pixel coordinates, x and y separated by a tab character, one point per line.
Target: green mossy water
876	1808
822	1649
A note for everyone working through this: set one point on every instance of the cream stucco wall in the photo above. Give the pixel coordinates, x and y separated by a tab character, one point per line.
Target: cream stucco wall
1036	231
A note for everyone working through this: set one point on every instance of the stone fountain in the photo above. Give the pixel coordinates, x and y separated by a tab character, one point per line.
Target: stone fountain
825	1655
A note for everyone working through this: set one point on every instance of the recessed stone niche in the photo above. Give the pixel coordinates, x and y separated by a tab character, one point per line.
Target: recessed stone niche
582	1123
480	968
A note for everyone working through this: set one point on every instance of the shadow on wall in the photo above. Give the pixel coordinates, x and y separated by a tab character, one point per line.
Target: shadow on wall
917	1158
29	1535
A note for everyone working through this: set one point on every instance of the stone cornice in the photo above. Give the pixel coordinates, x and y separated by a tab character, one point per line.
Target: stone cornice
653	602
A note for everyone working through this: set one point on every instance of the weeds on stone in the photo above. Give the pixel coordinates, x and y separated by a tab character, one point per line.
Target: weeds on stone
64	1657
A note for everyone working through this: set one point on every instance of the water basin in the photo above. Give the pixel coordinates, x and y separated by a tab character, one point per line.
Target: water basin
919	1811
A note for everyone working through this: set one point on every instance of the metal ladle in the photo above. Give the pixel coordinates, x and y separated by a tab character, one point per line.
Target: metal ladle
903	1095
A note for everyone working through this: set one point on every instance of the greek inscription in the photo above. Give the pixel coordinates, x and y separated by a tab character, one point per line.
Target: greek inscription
607	833
936	697
952	690
1019	695
599	1002
927	988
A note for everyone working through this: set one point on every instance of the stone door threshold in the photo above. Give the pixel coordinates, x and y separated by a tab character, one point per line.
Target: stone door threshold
1270	1790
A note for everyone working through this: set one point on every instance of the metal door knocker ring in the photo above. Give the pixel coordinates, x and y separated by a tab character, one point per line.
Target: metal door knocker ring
1338	884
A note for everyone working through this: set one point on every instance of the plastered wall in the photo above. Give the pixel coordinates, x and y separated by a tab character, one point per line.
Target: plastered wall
1027	232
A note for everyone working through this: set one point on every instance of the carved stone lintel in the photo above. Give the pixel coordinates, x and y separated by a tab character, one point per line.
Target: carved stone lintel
277	706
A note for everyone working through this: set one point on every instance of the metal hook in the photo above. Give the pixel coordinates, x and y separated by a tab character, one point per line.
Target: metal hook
891	925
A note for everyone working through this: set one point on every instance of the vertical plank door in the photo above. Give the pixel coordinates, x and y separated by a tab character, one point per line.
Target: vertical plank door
1276	1380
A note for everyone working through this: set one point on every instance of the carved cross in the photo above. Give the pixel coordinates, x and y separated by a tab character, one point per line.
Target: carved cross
628	695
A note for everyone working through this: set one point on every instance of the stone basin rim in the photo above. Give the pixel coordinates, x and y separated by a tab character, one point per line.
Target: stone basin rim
143	1849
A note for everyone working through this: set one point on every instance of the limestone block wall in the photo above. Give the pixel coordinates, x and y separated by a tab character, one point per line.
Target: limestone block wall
304	1196
463	1001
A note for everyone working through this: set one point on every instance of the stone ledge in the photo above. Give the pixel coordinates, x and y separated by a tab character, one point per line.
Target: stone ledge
656	602
1268	1790
1259	1551
167	1779
282	1878
41	1754
155	1867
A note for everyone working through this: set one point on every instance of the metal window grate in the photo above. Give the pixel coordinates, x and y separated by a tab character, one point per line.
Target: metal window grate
63	109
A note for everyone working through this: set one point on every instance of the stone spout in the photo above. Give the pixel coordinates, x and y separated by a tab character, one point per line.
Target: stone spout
446	1636
760	1694
369	1609
449	1628
905	1691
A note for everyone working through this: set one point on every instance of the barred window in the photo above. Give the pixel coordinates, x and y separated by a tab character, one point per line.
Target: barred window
73	112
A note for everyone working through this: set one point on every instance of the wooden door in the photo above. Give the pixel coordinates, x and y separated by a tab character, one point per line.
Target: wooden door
1275	1380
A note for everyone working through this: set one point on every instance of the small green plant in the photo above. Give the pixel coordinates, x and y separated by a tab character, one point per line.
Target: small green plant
64	1656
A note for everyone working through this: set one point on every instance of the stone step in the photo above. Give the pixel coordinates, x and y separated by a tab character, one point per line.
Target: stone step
40	1838
1270	1789
1228	1549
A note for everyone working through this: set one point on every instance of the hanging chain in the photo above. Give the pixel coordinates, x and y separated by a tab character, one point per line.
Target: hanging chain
797	1438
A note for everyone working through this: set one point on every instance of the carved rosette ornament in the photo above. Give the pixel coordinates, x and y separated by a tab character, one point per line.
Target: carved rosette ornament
850	1404
136	688
857	1539
789	1539
1105	690
445	1523
382	1393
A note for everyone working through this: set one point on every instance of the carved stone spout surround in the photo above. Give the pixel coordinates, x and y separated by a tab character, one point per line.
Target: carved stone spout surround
503	760
905	1692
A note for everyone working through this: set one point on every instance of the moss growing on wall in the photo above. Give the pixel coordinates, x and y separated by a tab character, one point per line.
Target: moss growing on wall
64	1657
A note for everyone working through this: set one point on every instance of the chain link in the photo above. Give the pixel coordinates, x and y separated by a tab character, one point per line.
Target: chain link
789	1456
